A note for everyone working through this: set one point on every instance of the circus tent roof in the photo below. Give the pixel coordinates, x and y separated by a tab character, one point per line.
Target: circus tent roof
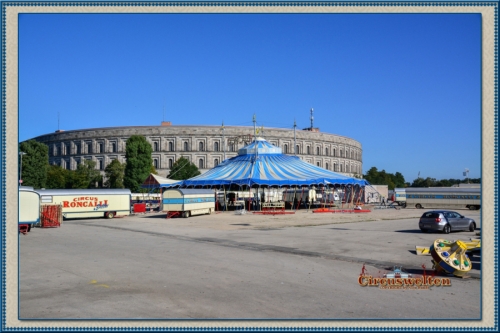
154	181
263	164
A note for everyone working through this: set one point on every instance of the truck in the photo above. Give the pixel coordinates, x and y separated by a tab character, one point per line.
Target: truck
87	203
188	202
29	209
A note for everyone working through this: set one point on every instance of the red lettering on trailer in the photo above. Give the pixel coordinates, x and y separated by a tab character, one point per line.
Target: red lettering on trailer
65	204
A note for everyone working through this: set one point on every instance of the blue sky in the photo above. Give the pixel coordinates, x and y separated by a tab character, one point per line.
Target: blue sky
407	86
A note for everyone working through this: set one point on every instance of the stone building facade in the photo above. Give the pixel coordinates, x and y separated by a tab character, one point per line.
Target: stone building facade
205	146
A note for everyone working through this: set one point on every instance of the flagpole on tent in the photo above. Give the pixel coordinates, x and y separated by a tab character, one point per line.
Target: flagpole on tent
223	139
294	139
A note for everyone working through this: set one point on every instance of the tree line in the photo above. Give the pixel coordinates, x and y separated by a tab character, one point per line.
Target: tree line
36	171
397	180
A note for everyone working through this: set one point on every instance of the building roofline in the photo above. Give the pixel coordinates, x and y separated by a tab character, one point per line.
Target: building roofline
194	126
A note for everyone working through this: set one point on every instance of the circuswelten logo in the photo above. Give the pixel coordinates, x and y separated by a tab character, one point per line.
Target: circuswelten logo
399	279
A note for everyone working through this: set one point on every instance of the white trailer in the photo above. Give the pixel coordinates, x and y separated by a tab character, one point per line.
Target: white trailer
29	208
188	202
86	203
400	196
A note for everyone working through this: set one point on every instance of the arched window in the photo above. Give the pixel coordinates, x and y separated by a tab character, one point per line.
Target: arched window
317	163
326	166
231	147
170	163
297	149
216	146
186	146
101	164
200	163
113	147
216	162
155	163
351	153
308	150
155	146
100	147
326	151
346	153
341	168
201	146
341	153
285	149
317	150
335	167
334	152
170	146
89	148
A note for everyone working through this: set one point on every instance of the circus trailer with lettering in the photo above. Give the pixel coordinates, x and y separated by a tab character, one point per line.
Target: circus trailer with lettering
188	202
88	203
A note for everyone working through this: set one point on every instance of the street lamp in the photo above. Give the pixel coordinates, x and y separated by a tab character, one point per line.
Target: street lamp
21	153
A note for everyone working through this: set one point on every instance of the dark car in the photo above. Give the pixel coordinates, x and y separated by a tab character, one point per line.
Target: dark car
445	221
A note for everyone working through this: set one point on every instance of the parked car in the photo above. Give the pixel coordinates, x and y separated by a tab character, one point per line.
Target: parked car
445	221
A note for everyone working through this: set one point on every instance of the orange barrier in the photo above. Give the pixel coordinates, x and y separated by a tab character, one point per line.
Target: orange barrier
325	210
51	216
273	212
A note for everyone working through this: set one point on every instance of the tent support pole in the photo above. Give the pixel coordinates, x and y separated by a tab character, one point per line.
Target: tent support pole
225	201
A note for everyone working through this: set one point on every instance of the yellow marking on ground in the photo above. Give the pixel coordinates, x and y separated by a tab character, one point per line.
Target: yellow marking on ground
93	282
103	285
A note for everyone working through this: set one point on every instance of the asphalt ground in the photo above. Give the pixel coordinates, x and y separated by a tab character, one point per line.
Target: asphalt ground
227	266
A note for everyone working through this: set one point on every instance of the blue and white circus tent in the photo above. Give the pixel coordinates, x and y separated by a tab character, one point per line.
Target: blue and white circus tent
261	164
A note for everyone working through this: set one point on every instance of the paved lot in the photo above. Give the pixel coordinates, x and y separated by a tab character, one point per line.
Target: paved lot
235	266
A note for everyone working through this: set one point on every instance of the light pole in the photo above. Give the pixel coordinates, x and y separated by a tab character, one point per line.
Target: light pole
21	153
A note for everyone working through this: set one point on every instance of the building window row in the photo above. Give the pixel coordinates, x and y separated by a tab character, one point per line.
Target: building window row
352	154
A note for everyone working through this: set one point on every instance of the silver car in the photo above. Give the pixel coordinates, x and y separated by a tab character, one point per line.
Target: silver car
445	221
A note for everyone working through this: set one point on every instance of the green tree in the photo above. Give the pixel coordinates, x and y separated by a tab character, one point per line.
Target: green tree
86	175
375	177
399	180
183	169
153	170
35	163
421	182
138	154
114	174
57	177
